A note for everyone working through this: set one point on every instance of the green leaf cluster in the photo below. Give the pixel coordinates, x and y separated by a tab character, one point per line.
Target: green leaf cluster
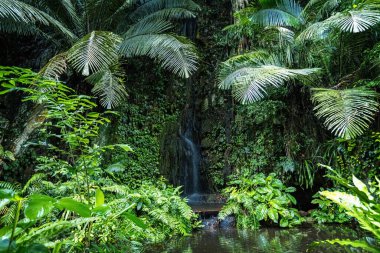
259	198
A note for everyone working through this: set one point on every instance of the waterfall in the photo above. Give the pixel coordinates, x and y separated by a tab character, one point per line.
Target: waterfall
192	166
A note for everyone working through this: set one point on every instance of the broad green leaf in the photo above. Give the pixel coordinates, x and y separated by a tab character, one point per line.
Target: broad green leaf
137	221
361	187
7	194
74	206
290	189
99	197
273	214
261	212
101	210
116	167
292	199
125	147
284	223
37	206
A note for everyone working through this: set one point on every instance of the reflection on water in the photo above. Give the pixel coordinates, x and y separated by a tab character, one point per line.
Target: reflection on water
268	240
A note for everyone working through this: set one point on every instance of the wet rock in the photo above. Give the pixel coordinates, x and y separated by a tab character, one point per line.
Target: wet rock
228	222
210	223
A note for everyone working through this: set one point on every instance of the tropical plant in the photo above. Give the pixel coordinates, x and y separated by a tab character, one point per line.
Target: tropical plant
301	38
361	203
5	155
257	198
328	211
22	213
74	162
94	51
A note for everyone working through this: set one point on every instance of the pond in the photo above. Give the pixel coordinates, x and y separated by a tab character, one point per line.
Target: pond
265	240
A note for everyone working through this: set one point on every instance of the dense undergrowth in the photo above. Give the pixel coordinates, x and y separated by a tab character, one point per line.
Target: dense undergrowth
76	203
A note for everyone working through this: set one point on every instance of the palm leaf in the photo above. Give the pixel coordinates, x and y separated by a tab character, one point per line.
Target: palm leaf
93	52
315	31
19	11
55	67
286	13
346	113
249	84
355	21
319	8
147	27
170	14
174	53
108	85
165	9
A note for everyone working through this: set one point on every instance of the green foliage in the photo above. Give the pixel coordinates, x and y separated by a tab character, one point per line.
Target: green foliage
251	75
361	203
258	198
346	113
328	211
299	39
81	184
102	34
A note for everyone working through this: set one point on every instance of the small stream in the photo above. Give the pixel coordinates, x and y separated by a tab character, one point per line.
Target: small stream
265	240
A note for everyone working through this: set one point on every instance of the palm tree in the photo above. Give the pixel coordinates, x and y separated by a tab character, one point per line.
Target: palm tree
91	37
325	34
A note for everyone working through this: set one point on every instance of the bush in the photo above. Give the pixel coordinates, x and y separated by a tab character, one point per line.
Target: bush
258	198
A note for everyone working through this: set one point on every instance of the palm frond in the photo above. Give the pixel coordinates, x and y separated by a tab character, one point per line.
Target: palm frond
19	11
55	67
317	9
21	28
346	113
109	86
174	53
249	84
286	13
93	52
144	27
170	14
355	21
315	31
254	58
165	9
22	12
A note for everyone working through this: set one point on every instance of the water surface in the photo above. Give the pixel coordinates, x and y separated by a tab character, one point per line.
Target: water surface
266	240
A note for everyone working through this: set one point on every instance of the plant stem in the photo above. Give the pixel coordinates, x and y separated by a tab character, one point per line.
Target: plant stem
15	224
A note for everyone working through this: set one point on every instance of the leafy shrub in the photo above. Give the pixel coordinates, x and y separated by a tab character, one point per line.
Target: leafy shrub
328	211
362	203
161	207
121	220
258	198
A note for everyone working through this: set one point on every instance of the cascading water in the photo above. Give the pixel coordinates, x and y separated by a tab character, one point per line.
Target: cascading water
192	166
180	147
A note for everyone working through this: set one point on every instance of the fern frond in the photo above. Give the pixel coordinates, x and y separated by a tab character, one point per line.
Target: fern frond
35	179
